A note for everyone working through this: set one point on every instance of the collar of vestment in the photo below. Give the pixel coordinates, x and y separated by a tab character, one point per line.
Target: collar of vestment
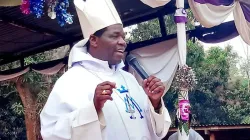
84	59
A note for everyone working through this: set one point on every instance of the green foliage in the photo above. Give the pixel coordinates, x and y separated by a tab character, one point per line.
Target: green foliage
40	86
220	96
180	126
195	55
151	29
211	72
171	27
245	67
145	31
12	65
12	125
183	125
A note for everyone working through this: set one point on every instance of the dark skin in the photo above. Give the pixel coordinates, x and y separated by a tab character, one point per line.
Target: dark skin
110	46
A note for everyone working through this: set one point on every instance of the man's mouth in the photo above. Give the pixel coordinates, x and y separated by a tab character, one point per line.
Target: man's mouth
120	51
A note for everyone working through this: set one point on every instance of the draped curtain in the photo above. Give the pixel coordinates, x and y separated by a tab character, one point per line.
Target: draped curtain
213	12
160	59
46	68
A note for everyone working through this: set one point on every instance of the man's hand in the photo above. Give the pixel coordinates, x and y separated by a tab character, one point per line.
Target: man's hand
154	88
103	93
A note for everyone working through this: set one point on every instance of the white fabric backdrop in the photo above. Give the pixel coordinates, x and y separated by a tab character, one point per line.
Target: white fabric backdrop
210	15
159	59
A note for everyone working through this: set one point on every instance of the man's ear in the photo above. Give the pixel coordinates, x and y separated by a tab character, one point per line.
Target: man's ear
93	41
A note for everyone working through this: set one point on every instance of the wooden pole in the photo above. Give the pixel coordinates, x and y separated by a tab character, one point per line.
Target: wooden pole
212	136
29	102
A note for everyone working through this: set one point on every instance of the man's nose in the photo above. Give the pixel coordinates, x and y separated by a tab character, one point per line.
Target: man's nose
122	42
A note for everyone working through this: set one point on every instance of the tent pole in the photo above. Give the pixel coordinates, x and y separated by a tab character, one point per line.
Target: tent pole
183	102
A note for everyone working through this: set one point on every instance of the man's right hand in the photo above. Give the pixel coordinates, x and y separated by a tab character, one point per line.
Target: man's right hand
103	93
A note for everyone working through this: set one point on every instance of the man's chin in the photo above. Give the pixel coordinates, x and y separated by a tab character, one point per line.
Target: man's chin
116	62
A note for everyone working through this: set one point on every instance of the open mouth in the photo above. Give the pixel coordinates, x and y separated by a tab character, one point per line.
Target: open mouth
120	51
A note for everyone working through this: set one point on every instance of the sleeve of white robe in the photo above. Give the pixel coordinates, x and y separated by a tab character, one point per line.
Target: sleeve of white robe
62	120
173	136
158	123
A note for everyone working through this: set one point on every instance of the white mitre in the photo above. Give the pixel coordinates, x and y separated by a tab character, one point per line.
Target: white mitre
93	16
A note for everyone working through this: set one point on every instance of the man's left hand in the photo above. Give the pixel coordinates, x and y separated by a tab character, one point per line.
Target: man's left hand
154	88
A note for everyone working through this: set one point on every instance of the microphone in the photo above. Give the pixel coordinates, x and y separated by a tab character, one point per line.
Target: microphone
136	65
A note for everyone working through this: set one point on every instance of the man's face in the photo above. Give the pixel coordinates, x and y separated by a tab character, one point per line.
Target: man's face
112	44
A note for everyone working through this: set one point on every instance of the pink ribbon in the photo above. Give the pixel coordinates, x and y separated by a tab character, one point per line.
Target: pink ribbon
184	107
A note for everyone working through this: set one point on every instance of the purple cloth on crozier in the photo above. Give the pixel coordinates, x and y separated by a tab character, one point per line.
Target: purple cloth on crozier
180	19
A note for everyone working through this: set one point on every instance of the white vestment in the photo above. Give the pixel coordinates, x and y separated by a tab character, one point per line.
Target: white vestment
193	135
69	113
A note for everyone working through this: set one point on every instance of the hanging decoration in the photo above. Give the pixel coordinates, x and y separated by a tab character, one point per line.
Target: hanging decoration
51	9
57	9
183	115
211	13
183	82
184	79
36	7
25	7
61	13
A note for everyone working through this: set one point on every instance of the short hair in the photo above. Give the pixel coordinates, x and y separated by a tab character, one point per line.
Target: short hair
98	33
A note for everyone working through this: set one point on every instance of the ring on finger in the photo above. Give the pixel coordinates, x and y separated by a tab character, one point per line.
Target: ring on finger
104	92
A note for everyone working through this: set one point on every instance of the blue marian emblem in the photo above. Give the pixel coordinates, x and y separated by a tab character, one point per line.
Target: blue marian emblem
130	103
122	89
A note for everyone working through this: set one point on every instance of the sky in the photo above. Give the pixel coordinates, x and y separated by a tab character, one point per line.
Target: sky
238	44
